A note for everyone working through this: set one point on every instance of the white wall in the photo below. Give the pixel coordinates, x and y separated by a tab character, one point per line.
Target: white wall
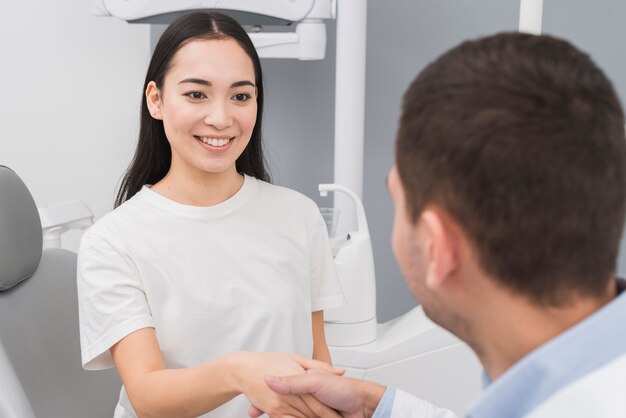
69	98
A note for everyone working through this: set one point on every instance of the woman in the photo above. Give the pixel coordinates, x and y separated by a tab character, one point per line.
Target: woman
204	268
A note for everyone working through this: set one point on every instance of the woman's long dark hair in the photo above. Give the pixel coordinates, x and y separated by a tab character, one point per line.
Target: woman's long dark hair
153	154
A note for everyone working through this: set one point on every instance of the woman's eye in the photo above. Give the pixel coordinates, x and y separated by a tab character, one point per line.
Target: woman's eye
195	95
242	97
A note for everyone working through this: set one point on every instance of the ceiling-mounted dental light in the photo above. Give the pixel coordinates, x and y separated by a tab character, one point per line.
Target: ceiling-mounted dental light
306	42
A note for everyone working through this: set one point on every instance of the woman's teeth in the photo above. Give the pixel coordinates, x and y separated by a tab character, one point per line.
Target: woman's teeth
215	142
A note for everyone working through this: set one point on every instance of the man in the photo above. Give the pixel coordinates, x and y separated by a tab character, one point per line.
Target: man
509	186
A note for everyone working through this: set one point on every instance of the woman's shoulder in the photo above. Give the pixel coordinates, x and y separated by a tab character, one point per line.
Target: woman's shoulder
286	195
117	223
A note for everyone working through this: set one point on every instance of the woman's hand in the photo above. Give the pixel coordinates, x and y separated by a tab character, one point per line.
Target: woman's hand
349	397
251	371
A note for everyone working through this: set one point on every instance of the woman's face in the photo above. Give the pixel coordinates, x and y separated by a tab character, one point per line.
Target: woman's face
207	104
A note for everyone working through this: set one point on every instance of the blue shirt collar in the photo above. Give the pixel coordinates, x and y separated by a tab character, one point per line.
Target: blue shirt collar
567	357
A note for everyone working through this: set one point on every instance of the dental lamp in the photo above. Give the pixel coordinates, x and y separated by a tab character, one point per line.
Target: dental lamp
307	42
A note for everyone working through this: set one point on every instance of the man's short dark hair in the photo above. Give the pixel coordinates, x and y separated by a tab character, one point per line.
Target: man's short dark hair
520	138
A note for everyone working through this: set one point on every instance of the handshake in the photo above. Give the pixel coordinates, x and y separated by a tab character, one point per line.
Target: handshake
315	390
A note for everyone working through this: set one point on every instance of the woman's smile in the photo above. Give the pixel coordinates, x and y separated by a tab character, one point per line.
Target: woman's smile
216	144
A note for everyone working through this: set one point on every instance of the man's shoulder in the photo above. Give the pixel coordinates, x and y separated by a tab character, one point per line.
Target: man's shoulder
599	393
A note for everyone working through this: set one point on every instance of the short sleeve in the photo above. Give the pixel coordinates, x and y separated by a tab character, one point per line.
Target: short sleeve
111	300
326	290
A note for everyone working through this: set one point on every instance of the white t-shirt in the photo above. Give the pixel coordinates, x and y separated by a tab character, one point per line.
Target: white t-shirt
241	275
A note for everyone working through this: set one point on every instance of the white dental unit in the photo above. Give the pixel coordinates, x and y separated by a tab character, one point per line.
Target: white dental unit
409	352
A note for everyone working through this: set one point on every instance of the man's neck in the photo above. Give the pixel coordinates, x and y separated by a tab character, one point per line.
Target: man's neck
520	326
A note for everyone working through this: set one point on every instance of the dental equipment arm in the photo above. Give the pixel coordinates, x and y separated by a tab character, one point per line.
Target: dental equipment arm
60	218
307	42
530	14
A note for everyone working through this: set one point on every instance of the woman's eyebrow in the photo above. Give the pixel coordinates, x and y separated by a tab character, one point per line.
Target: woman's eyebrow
195	81
242	83
208	83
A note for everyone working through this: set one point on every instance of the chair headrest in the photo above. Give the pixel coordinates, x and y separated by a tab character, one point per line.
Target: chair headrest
20	231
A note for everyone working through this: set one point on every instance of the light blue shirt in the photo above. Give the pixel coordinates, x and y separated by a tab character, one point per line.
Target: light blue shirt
586	346
383	410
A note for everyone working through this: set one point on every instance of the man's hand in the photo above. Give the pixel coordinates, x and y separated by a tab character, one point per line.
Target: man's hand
350	397
254	366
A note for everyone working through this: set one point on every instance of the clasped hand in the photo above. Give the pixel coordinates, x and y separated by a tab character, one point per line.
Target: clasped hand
262	366
317	390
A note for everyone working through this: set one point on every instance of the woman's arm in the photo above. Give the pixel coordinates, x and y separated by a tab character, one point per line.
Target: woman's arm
155	391
320	348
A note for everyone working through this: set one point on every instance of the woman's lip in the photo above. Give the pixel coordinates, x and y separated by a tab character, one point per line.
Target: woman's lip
223	148
215	136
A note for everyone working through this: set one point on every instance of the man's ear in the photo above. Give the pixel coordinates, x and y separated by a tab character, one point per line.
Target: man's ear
442	249
153	100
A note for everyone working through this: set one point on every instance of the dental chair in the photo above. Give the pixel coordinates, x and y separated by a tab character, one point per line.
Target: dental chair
40	364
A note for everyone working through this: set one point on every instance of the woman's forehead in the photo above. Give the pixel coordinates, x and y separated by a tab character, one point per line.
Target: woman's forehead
212	59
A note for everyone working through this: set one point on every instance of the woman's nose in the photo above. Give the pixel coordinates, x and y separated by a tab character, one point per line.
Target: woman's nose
218	115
